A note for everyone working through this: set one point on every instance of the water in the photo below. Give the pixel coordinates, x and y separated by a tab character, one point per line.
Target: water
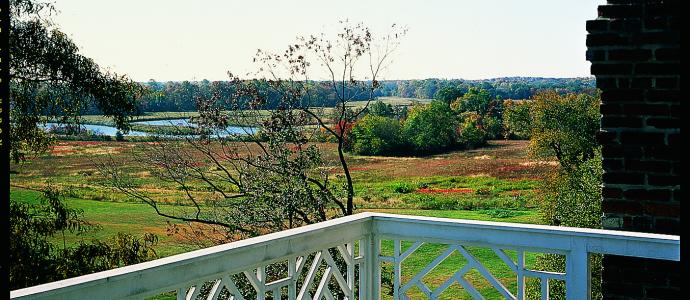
100	129
112	131
175	122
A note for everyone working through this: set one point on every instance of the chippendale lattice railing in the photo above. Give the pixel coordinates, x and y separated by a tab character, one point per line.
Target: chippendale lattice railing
344	259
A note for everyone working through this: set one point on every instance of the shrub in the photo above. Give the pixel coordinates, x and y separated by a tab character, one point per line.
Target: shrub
469	133
376	135
516	119
403	187
430	128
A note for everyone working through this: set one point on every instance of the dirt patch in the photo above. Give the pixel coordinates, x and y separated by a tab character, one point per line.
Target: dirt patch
482	157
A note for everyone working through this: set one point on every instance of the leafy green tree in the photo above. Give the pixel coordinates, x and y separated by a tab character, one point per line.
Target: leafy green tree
564	126
37	259
475	100
376	135
430	128
50	79
449	94
517	122
378	108
471	135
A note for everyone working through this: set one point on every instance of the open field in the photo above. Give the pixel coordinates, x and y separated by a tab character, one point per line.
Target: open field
495	183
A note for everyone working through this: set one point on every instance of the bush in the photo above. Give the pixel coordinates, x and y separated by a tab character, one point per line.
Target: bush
376	135
469	133
430	128
403	187
516	119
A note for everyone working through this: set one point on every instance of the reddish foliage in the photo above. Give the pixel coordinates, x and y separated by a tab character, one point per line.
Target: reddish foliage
347	127
445	191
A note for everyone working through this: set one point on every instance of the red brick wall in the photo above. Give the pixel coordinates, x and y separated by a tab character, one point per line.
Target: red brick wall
634	48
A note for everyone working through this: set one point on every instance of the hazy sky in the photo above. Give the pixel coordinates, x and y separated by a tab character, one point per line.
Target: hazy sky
203	39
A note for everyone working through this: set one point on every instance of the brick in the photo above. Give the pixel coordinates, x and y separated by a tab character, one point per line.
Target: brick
657	68
641	83
595	55
611	69
667	54
655	23
663	180
605	39
630	54
656	38
625	25
642	276
660	152
648	166
662	210
621	207
667	225
622	95
666	83
673	139
646	109
609	192
676	111
620	11
642	138
621	122
623	178
676	195
597	25
623	289
642	223
663	293
610	109
661	9
663	96
658	265
605	136
662	195
663	122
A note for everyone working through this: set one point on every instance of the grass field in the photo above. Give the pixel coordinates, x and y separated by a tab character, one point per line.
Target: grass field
495	183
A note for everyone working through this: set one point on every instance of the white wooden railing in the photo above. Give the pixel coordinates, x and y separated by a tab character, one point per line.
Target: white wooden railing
342	259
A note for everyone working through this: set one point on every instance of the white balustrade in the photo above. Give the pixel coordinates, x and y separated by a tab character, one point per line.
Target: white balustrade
342	259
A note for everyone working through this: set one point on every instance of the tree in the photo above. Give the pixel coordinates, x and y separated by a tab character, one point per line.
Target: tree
430	128
35	259
564	126
449	94
274	178
50	79
516	119
470	133
376	135
378	108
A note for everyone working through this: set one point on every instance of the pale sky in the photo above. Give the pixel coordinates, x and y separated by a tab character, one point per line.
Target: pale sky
203	39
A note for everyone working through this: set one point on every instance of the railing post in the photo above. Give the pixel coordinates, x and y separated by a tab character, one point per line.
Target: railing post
578	272
373	270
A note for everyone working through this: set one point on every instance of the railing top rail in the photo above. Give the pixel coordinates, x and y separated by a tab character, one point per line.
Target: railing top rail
538	237
144	278
572	231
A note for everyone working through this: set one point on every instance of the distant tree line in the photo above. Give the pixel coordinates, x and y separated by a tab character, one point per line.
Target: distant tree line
181	95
